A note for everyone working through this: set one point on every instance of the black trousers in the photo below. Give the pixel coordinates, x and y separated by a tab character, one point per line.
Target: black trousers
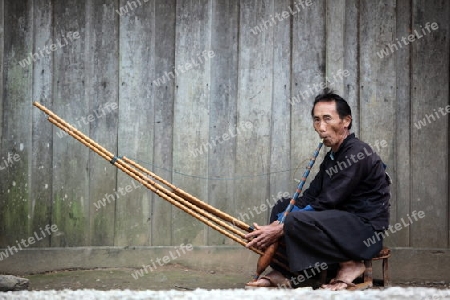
313	238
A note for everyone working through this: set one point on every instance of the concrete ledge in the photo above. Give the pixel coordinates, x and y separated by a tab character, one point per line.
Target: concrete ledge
405	264
36	260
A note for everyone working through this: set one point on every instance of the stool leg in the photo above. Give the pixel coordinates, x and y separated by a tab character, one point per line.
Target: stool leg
386	279
323	277
368	277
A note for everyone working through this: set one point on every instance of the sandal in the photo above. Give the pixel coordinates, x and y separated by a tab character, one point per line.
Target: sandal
350	286
275	280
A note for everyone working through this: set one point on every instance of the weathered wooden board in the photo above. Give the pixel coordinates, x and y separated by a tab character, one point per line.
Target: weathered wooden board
429	138
377	80
2	47
42	131
136	121
102	38
164	94
254	106
400	201
3	241
335	44
342	68
351	60
280	134
308	80
70	209
15	144
191	109
222	111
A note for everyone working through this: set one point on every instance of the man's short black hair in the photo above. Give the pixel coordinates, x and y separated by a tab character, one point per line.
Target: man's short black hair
342	107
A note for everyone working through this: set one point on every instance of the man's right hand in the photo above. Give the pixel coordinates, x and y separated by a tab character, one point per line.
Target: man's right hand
263	236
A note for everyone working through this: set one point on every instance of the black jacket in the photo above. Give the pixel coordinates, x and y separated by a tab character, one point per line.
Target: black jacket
352	179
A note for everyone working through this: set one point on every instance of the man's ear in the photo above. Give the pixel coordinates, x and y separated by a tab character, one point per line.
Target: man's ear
347	121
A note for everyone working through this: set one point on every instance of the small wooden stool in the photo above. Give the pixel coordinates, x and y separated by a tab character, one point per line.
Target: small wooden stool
384	255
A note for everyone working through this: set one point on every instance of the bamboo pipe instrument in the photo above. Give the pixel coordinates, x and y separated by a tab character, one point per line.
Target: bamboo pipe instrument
176	190
156	187
133	170
159	190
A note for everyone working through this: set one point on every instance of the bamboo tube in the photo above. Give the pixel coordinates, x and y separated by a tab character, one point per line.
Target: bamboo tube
195	200
153	189
95	147
176	190
179	198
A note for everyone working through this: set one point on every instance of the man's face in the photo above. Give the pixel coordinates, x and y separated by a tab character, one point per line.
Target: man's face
332	129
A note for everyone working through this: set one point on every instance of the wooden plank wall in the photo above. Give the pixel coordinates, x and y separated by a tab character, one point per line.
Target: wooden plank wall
214	96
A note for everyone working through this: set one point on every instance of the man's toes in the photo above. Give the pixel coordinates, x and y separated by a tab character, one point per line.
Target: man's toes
340	286
335	286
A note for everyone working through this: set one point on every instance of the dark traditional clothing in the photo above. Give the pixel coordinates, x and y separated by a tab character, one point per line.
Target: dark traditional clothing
350	197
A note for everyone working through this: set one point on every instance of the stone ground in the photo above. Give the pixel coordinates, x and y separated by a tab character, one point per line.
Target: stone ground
179	282
169	277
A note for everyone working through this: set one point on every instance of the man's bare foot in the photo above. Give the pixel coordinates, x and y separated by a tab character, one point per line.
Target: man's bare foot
272	279
348	271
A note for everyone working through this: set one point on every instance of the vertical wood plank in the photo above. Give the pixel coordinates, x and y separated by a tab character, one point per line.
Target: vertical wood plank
136	120
335	49
222	110
429	140
342	53
2	62
70	209
280	133
191	112
254	108
351	61
165	15
15	144
102	94
400	201
377	79
192	102
42	131
308	78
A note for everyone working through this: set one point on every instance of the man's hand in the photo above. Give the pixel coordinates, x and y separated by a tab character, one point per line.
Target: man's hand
263	236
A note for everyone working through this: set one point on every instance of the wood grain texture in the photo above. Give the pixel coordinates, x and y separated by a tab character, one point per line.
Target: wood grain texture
191	109
351	61
254	106
335	44
307	81
430	90
3	241
15	145
377	80
42	131
401	198
102	92
280	182
2	48
136	119
164	96
222	111
70	209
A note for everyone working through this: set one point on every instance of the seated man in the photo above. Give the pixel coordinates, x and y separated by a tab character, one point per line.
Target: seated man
346	204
